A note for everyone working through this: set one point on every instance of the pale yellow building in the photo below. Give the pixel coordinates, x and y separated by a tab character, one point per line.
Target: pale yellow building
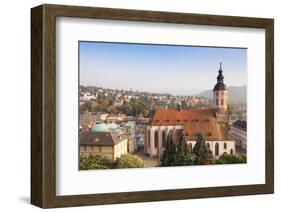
99	141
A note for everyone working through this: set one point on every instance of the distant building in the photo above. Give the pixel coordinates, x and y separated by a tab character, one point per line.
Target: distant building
130	133
99	116
211	123
99	141
115	118
232	118
238	130
87	97
192	100
86	119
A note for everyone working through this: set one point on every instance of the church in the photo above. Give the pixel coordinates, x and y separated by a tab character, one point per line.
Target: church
211	123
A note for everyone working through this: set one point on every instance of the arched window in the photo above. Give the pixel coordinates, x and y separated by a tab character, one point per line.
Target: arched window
222	102
156	139
231	151
208	145
163	138
225	145
217	149
148	138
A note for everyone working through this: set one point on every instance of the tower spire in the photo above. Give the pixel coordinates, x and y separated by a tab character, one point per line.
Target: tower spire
220	93
220	76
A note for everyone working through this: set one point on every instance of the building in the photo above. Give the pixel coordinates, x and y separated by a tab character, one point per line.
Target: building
86	119
211	123
238	131
99	116
130	133
116	118
99	141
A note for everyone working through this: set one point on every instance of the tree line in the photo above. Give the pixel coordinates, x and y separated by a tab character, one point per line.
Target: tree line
181	154
101	162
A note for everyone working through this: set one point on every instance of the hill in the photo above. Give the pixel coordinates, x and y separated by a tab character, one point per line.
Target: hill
237	95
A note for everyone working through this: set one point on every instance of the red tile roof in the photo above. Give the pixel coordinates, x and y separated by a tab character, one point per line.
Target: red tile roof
194	121
167	117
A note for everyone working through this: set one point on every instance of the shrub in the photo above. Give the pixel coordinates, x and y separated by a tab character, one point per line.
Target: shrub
129	161
94	162
229	159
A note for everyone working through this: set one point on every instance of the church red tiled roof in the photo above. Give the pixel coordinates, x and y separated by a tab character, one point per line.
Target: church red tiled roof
168	117
194	121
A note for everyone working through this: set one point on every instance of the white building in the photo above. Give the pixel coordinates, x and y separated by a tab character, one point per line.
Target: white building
239	133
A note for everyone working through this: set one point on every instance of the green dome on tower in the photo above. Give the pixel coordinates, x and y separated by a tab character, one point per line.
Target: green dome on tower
99	127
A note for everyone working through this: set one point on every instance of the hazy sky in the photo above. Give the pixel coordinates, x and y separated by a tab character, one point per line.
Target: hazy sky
179	70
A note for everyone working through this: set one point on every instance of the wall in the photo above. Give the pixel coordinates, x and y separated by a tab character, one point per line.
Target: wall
15	105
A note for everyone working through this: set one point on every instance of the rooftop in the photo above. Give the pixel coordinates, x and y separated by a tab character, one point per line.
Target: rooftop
194	121
164	117
240	125
100	138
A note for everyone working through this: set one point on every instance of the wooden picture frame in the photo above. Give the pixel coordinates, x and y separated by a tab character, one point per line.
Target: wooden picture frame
43	105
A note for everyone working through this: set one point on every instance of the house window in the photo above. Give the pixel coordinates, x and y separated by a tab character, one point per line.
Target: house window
231	151
156	139
163	138
225	145
217	102
148	138
222	103
217	94
217	149
208	145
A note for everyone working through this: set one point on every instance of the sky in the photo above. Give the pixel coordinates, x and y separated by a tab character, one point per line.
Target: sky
174	69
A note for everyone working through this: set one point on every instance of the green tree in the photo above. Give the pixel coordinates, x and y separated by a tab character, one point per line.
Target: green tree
183	104
168	157
230	108
129	161
187	153
87	106
231	159
111	109
94	162
183	153
202	154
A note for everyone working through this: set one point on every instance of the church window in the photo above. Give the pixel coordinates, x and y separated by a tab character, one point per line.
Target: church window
225	145
156	139
231	151
217	149
208	145
163	138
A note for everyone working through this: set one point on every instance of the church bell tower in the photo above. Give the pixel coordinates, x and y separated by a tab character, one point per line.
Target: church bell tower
220	94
